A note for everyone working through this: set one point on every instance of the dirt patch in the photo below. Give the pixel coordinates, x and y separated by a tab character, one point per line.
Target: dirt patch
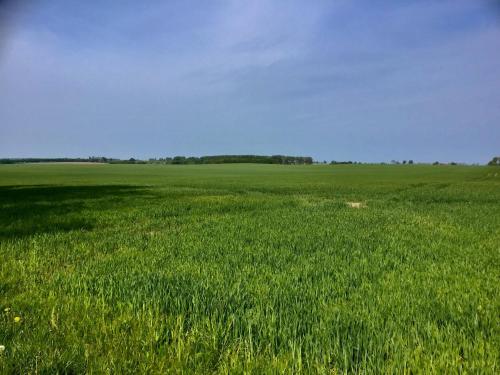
356	204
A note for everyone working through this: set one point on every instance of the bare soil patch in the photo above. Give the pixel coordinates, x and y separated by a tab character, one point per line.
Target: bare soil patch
356	204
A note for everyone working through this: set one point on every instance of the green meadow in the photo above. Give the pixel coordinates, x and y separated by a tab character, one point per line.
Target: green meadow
249	269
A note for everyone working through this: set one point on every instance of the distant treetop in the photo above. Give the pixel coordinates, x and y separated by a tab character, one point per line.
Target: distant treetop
495	161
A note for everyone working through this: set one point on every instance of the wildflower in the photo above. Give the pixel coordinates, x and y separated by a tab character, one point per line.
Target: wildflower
2	348
17	319
7	309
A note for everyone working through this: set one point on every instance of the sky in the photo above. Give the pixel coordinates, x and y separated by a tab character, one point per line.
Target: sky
361	80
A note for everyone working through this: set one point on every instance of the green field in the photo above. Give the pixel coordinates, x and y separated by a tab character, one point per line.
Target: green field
249	269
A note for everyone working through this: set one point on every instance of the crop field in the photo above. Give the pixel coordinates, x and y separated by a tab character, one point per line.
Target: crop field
249	269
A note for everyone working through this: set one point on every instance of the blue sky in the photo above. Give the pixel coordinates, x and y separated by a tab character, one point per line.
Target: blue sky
360	80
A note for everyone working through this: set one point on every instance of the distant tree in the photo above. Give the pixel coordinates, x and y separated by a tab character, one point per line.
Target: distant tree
179	160
495	161
192	160
435	163
404	161
410	161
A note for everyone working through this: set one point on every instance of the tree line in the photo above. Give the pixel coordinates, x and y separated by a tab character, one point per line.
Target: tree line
215	159
223	159
46	160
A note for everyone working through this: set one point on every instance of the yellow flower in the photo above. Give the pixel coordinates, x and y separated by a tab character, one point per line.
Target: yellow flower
17	319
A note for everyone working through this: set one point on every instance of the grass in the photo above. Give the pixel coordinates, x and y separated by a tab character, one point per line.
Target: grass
249	269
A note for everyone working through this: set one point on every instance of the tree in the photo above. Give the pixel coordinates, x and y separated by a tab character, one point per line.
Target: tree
179	160
404	161
495	161
410	161
435	163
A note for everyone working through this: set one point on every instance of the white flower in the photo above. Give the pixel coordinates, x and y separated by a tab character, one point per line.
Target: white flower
2	348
